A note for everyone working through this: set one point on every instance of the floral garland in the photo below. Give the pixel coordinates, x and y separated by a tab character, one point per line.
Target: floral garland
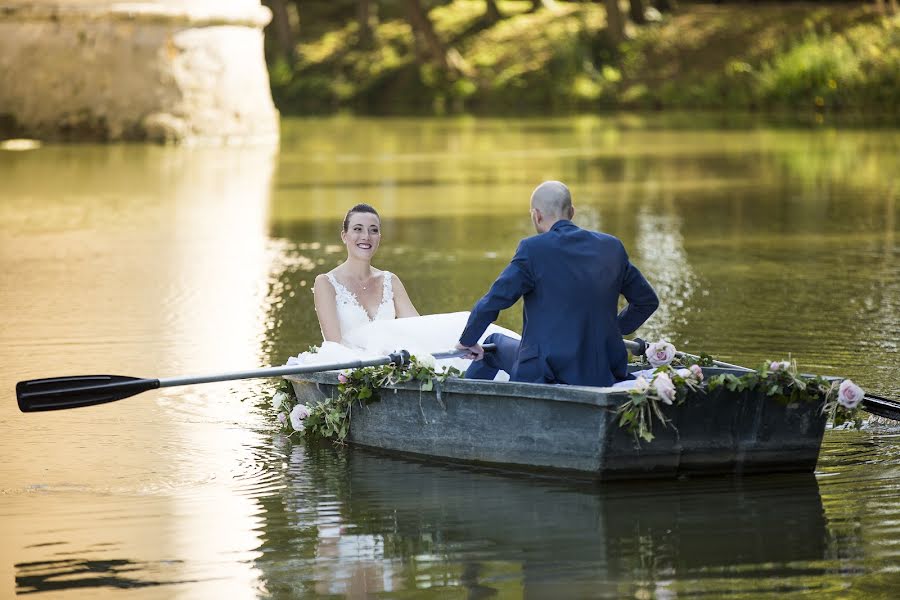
675	376
779	379
330	418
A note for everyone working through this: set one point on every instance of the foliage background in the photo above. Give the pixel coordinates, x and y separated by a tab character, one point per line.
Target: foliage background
786	57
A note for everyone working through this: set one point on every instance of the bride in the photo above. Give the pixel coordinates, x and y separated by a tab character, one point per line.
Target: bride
365	312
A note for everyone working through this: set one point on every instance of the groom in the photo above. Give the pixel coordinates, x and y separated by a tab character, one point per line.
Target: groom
571	280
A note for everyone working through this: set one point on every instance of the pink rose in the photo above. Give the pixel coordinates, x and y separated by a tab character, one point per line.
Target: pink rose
660	353
778	365
697	372
850	394
664	388
282	418
343	378
298	413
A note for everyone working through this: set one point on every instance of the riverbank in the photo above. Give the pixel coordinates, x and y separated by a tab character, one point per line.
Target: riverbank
812	59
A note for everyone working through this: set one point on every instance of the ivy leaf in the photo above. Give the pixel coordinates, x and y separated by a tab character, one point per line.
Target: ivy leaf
427	385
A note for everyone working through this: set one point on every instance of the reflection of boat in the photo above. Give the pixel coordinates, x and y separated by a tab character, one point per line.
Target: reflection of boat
574	534
576	430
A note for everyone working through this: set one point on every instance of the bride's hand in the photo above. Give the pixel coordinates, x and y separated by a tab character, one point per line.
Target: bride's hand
476	352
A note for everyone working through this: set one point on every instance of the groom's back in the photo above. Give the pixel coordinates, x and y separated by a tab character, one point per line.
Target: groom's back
571	311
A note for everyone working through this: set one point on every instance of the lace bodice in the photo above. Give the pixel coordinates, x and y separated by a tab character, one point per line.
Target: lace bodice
352	314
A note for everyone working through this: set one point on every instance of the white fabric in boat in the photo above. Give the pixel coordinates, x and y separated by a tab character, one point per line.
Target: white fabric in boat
428	334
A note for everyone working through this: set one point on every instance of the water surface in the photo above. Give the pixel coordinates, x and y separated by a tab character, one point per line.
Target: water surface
763	243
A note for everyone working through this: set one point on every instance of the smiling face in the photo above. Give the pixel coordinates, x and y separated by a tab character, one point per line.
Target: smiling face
363	235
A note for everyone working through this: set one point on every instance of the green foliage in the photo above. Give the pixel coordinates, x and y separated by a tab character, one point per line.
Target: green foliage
776	57
645	402
784	384
330	419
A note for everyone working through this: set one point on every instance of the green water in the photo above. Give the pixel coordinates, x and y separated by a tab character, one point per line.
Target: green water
762	242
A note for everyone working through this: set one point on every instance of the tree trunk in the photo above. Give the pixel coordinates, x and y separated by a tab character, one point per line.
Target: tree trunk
636	12
366	13
886	8
492	14
423	30
285	41
615	24
665	6
536	5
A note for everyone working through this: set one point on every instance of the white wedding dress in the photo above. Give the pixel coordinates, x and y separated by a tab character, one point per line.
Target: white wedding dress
365	336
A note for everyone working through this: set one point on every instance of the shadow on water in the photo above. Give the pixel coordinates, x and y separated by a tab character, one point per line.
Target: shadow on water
413	524
86	574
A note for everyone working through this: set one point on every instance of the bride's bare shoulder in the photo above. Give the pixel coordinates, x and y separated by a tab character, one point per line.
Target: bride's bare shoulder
322	283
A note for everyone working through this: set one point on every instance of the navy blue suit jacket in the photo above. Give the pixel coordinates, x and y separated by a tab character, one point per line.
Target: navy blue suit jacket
571	280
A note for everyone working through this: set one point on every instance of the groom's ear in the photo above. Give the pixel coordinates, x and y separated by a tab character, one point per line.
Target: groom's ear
571	212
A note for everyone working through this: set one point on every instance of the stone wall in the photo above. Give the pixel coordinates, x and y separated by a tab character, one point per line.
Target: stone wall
188	71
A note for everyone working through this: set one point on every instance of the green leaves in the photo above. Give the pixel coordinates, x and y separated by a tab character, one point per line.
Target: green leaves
784	384
330	418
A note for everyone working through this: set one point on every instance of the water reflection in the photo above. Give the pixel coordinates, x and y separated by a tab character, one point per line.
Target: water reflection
382	524
170	261
144	261
660	246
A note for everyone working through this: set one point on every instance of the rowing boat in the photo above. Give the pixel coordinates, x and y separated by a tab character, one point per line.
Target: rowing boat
574	430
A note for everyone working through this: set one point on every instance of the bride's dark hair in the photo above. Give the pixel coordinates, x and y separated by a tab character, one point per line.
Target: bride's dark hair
359	208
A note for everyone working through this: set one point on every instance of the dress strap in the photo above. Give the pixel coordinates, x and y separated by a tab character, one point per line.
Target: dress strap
342	294
388	287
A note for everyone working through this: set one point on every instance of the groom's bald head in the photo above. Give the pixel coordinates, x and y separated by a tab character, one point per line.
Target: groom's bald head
552	201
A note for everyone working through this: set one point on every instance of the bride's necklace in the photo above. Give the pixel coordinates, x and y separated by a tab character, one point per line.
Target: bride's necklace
360	285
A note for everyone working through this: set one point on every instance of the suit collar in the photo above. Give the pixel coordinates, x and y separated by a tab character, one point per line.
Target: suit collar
561	224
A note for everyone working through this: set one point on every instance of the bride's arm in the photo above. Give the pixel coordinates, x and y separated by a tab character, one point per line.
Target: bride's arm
326	309
403	306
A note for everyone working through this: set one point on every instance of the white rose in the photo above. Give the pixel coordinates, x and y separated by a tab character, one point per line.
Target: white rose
664	388
278	399
660	353
426	360
697	372
641	385
850	394
684	373
298	413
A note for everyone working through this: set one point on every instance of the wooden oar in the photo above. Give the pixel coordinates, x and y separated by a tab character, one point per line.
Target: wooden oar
876	405
58	393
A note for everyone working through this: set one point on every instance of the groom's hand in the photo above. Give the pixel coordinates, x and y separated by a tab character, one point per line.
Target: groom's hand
476	352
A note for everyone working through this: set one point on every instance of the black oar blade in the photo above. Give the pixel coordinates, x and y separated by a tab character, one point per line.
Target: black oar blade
881	407
57	393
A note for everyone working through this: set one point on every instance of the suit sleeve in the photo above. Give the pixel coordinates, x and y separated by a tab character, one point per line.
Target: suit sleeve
515	281
642	300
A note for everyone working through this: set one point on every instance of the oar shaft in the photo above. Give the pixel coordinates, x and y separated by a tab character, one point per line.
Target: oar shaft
638	347
401	357
717	363
272	372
